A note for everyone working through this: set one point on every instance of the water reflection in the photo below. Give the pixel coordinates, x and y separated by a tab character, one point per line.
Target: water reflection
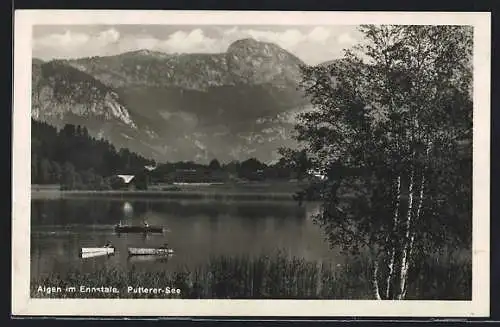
197	230
128	210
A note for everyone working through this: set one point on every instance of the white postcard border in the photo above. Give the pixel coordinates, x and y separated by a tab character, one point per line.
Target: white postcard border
22	304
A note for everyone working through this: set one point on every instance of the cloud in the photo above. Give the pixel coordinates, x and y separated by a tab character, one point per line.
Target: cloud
289	39
70	44
108	36
138	43
319	34
346	39
194	41
66	39
313	45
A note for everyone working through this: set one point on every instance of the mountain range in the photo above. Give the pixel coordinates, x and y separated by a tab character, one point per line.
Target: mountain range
178	107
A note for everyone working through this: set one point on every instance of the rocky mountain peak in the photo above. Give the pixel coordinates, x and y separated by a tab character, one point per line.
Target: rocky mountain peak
244	43
60	91
252	61
146	53
252	47
177	106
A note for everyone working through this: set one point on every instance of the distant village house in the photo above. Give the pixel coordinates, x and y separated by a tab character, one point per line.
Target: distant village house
128	181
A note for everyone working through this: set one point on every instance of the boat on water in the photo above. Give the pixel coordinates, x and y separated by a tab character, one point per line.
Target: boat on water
145	228
104	249
150	251
95	254
97	251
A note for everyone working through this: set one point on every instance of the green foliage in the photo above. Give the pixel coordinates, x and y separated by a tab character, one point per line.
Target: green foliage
94	161
141	180
68	178
296	161
214	165
387	128
116	183
251	169
248	170
72	158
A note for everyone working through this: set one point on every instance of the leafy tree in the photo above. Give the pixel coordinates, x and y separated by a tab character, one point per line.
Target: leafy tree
56	172
232	168
214	165
388	123
51	149
100	183
141	180
45	171
251	169
68	131
78	182
116	182
295	160
34	169
88	177
69	177
84	132
283	168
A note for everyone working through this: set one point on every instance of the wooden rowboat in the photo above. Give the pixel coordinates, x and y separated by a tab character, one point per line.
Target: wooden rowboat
104	249
95	252
150	251
138	229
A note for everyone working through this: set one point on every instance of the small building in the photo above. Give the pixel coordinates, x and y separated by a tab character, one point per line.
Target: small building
150	167
128	180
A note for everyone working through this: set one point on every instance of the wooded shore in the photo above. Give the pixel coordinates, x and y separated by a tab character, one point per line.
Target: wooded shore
173	192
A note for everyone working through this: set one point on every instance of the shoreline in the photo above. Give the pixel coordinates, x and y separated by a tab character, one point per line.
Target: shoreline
199	194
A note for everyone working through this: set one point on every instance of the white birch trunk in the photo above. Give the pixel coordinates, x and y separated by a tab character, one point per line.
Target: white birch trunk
404	255
412	239
417	216
395	221
375	288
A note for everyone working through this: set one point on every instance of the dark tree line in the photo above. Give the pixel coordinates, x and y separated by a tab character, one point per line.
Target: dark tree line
248	170
74	159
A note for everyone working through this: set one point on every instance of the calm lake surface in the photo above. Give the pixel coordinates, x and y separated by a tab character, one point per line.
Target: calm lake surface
198	229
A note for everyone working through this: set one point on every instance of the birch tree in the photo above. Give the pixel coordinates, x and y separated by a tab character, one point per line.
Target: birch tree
387	126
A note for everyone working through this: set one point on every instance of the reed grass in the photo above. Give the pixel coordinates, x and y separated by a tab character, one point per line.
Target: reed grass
265	277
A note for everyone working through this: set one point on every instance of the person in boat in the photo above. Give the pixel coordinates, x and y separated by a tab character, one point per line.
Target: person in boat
108	245
146	224
164	246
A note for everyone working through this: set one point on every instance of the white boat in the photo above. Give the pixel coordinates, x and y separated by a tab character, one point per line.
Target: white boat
93	254
100	250
150	251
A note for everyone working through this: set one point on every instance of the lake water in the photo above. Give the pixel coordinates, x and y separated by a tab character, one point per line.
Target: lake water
198	229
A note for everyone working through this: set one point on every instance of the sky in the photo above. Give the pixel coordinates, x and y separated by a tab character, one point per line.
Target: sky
312	44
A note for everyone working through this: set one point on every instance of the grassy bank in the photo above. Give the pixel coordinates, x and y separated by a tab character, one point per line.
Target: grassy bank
275	277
